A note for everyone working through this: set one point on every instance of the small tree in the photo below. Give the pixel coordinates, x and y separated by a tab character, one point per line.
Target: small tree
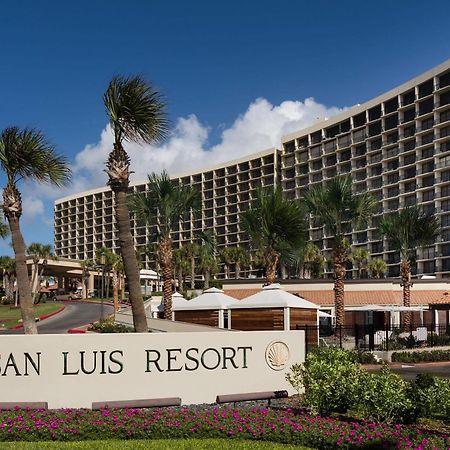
165	204
406	230
360	257
38	252
377	267
208	263
340	211
273	224
87	266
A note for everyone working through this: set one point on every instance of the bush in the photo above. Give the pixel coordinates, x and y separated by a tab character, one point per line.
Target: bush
6	301
421	356
330	379
431	396
384	397
109	326
365	357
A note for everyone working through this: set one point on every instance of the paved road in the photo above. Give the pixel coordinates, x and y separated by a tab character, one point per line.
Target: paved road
74	315
410	371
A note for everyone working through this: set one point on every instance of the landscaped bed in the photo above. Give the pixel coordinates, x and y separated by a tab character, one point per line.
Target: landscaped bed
10	316
287	426
157	444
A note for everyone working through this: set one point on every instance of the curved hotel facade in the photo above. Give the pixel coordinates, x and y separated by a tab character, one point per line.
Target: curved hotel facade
397	146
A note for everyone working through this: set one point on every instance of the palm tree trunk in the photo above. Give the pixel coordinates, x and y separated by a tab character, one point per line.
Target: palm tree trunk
238	270
271	260
23	282
339	259
115	283
192	273
206	281
122	288
166	263
405	273
180	280
339	302
130	262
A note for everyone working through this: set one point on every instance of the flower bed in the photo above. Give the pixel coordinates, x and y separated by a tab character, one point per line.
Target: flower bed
422	356
284	426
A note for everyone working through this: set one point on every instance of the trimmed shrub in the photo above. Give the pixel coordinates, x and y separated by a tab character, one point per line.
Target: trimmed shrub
330	379
421	356
109	326
384	397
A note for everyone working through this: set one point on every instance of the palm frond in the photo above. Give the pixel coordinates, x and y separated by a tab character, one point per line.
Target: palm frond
408	229
136	111
26	154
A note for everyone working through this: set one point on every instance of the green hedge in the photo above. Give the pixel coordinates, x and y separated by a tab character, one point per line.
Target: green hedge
422	356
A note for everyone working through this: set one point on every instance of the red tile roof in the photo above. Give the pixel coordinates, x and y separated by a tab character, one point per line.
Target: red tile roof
356	298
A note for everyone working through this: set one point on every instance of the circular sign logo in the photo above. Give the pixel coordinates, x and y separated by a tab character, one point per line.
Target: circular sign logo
277	355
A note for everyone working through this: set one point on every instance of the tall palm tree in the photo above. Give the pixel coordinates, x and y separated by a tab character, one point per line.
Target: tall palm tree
377	267
136	113
38	252
164	205
406	230
340	211
25	154
274	224
360	257
116	269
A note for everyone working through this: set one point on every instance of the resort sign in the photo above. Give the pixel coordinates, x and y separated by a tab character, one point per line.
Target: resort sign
75	371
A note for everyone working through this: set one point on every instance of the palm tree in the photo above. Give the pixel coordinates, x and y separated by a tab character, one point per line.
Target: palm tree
360	257
208	263
192	250
226	256
164	206
116	269
26	155
8	267
273	224
241	259
136	113
38	252
407	230
377	267
87	266
312	261
181	266
340	211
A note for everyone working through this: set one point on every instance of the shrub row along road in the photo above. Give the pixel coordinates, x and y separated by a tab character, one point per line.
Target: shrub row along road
410	371
74	315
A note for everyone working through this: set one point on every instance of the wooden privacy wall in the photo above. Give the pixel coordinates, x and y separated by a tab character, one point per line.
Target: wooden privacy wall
201	317
306	319
257	319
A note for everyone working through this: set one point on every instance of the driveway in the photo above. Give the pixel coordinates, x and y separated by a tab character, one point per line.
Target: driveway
410	371
75	314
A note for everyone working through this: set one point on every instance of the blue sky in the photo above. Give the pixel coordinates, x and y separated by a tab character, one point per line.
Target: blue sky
212	61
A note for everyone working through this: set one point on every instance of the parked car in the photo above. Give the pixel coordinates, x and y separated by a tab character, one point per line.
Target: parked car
75	295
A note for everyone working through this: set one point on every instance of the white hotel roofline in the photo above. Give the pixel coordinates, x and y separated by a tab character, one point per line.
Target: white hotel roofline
221	165
354	110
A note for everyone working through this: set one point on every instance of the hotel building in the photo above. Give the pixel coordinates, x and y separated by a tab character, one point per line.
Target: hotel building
397	146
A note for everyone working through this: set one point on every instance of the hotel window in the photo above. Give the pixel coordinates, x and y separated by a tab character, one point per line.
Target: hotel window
429	266
428	253
428	195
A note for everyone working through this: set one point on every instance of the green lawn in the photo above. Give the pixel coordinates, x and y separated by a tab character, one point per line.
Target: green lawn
10	316
158	444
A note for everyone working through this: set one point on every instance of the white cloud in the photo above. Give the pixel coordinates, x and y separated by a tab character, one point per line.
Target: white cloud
32	208
260	127
187	148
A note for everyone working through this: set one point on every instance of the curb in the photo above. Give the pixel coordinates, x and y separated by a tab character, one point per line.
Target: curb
40	318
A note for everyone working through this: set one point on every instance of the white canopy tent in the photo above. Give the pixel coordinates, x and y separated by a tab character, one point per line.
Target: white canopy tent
212	299
274	297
